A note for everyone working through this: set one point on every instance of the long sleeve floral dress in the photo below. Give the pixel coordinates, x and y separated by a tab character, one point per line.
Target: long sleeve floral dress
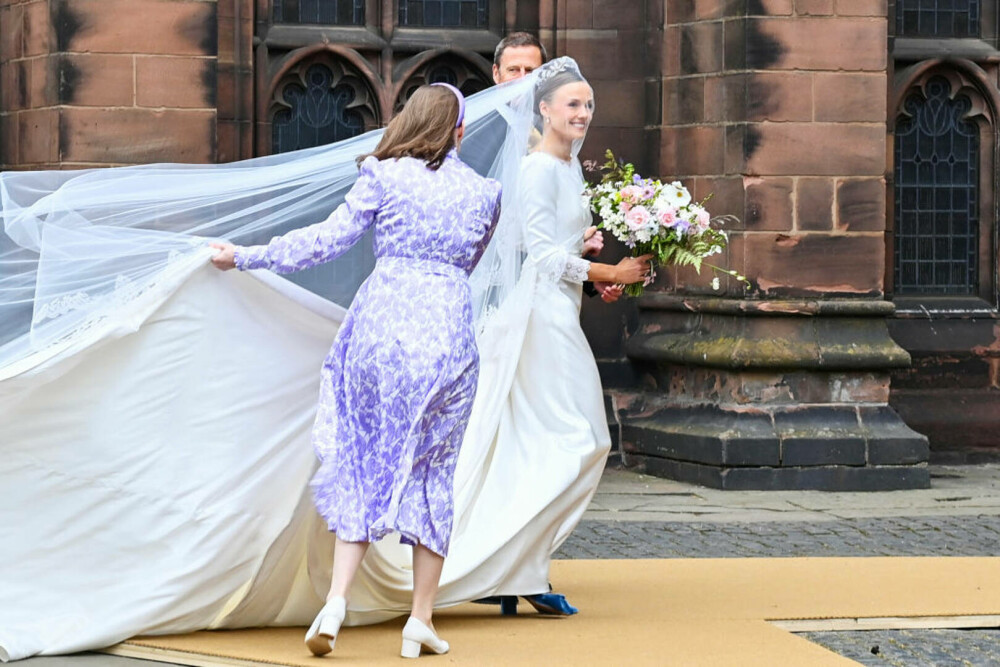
398	385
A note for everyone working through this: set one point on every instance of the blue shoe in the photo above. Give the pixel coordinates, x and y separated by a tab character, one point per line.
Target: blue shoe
551	604
508	603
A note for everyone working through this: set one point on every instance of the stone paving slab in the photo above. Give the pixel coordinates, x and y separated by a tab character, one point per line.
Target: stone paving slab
956	490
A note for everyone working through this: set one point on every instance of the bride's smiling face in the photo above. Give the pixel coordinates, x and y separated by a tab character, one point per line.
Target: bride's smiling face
569	111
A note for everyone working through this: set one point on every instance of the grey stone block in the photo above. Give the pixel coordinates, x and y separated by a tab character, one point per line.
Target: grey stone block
710	476
890	440
705	434
823	451
828	478
820	435
818	478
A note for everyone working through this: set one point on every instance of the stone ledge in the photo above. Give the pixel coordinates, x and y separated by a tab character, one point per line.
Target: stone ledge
739	334
705	434
767	307
820	478
816	345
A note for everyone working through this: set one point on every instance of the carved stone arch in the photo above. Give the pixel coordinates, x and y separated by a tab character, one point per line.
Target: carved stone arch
966	79
466	70
935	101
322	93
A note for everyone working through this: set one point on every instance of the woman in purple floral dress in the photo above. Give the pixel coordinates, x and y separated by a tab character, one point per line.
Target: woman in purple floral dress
398	385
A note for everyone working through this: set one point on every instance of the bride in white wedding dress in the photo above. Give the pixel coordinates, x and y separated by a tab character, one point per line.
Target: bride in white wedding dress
154	451
538	439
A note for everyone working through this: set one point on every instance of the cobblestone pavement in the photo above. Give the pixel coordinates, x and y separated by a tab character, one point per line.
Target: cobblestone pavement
914	648
894	536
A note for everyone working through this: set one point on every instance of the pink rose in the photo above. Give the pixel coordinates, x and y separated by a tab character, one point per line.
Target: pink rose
703	218
668	217
631	194
637	218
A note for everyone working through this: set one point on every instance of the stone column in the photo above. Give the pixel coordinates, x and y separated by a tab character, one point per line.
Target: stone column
778	108
107	82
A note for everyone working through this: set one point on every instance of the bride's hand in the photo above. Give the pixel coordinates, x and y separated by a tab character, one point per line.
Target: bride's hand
593	242
632	269
609	291
225	259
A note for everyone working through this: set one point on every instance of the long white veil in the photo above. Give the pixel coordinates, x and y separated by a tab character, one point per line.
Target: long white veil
126	504
76	244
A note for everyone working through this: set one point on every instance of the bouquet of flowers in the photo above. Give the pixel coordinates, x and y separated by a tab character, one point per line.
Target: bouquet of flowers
655	218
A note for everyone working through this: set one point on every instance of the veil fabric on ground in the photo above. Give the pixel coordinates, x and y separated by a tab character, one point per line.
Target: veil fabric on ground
154	453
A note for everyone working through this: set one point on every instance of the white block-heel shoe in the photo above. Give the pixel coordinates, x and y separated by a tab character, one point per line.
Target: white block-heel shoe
323	633
417	635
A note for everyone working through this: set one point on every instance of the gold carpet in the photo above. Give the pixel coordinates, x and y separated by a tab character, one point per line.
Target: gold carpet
654	612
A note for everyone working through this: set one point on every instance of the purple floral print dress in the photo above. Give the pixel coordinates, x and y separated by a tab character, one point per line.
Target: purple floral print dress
398	384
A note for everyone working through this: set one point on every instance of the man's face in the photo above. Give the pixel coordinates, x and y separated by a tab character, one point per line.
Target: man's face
515	62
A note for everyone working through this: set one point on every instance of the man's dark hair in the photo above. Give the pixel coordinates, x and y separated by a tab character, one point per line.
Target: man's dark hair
518	39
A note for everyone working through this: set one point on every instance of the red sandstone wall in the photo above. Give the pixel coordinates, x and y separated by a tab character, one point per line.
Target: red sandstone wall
780	111
105	82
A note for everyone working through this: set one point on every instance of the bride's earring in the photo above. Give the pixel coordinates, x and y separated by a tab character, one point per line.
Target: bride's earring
548	120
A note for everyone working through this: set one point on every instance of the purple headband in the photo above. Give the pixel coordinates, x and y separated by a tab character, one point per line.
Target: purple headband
461	100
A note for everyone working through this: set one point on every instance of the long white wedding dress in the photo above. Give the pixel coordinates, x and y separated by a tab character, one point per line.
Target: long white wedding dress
155	413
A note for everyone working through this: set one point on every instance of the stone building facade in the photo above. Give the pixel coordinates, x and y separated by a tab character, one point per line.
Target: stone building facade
853	139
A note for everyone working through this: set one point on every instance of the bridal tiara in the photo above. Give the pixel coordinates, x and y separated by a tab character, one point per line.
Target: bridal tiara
555	66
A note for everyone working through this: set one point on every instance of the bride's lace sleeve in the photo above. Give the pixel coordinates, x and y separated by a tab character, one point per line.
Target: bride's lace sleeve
538	206
301	248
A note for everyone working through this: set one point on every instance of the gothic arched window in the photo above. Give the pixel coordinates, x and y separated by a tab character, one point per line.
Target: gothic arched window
323	12
318	102
940	237
453	70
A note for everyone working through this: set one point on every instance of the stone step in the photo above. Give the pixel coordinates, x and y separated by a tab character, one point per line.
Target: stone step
826	447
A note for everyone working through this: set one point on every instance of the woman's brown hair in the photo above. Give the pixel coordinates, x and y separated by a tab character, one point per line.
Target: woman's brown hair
424	129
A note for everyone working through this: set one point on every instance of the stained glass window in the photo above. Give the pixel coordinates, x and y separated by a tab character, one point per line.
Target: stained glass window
444	73
444	13
937	18
454	71
937	194
317	113
324	12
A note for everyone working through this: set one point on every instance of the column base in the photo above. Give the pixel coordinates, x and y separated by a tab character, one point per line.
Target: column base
843	448
768	395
